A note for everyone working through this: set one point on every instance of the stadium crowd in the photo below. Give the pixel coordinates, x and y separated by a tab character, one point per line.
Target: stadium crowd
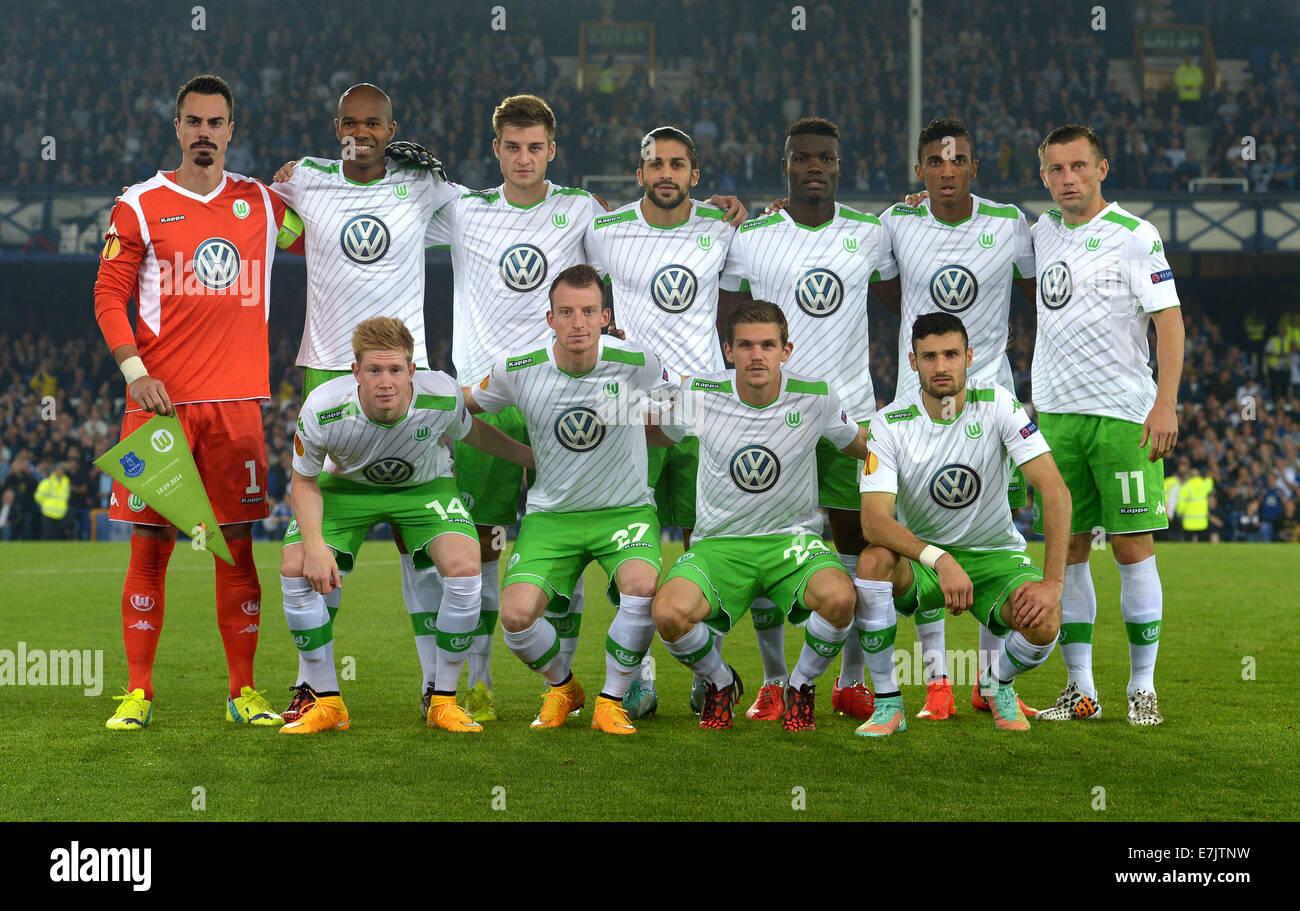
107	99
1239	425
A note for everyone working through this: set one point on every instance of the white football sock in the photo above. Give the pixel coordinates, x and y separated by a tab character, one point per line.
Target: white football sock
1142	601
1078	614
313	634
629	639
853	660
769	629
422	591
821	643
480	651
457	620
539	648
698	650
877	625
1019	655
569	624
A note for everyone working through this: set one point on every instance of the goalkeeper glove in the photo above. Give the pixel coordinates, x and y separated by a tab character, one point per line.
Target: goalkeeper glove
412	153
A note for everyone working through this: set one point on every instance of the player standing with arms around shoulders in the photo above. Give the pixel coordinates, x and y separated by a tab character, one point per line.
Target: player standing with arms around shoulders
815	259
364	218
1102	280
943	462
381	430
955	252
506	245
194	247
757	535
583	398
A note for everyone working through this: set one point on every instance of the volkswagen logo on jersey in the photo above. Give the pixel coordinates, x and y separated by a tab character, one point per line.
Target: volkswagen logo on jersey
1055	285
364	239
579	429
819	292
955	486
755	469
673	288
389	471
523	267
216	263
953	288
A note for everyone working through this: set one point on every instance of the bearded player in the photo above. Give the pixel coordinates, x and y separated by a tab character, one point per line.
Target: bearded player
194	247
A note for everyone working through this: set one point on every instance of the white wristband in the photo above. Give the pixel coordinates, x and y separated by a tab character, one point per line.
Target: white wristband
132	368
930	555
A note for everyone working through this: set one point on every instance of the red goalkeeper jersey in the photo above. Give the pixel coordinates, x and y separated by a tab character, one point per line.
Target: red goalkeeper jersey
199	268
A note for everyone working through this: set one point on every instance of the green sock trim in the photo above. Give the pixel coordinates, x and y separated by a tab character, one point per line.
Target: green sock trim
1075	633
625	657
424	623
767	617
823	647
696	656
1143	633
877	640
487	622
333	611
930	615
546	656
567	626
454	642
310	639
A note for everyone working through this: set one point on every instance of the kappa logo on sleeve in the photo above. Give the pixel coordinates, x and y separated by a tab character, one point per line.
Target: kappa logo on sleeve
1166	275
1029	430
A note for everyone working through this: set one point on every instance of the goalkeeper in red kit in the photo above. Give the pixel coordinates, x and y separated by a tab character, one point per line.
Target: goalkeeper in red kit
194	247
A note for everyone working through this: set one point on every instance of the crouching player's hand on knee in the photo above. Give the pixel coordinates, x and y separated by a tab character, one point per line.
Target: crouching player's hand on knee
320	568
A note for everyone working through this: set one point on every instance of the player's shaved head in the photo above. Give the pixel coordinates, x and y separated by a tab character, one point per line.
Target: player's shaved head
367	92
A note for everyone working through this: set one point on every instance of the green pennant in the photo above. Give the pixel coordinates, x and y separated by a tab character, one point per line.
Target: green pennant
155	464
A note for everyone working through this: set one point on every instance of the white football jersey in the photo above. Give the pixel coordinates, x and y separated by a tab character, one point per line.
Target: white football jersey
965	269
402	454
504	258
818	277
665	281
587	432
951	476
1098	284
758	466
365	253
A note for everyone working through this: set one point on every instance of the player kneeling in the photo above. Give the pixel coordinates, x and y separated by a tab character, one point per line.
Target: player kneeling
954	545
757	520
382	429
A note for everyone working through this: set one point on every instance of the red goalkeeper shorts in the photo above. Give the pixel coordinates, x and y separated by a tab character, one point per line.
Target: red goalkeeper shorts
230	452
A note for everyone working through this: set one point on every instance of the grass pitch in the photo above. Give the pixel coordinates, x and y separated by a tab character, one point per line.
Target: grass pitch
1227	749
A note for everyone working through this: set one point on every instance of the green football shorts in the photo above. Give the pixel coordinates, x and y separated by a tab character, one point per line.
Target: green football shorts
672	475
490	486
995	574
1111	483
837	477
555	547
733	571
418	513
